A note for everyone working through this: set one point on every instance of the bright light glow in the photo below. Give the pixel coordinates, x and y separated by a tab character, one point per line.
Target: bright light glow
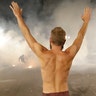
13	65
67	37
30	66
3	38
8	80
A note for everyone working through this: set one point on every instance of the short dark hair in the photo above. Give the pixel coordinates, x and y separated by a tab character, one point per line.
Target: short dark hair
58	36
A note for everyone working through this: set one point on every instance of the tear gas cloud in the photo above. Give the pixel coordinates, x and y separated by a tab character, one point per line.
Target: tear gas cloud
41	19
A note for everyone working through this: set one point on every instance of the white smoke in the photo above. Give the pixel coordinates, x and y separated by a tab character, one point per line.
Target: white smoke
12	46
67	15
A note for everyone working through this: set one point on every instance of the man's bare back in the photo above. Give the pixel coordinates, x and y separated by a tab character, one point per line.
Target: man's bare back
55	70
55	63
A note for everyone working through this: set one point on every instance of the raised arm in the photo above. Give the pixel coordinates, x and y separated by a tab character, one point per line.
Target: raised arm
73	49
34	45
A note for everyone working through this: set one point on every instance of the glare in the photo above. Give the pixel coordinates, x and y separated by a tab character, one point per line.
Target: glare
14	65
30	66
67	37
3	38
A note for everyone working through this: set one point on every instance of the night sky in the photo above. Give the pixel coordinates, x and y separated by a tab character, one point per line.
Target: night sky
41	8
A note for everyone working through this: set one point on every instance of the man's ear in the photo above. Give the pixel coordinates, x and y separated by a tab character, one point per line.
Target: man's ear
50	39
64	41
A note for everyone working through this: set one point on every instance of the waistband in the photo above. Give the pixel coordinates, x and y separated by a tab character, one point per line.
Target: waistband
65	93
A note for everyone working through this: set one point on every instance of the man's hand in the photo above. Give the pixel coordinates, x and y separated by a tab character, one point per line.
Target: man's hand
16	9
86	15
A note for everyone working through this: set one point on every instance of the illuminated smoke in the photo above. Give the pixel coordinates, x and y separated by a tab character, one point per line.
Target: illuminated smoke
41	16
40	20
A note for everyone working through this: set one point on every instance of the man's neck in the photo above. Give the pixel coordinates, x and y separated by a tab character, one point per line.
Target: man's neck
56	49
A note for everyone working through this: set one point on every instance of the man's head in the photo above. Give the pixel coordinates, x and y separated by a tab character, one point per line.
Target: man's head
58	36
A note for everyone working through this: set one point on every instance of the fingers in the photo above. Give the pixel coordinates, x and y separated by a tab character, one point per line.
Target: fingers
90	10
87	14
21	10
14	5
11	7
87	10
16	9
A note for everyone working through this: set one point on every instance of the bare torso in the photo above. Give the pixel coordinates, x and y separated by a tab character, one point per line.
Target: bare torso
55	69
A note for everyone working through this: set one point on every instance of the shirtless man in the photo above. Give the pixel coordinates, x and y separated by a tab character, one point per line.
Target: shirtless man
55	63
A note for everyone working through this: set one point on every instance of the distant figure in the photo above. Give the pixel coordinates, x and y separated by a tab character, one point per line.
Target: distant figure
55	63
22	59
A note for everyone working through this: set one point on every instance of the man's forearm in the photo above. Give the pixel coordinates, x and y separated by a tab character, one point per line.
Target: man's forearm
25	30
83	29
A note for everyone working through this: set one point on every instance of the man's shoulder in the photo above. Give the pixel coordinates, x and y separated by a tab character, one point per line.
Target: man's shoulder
71	50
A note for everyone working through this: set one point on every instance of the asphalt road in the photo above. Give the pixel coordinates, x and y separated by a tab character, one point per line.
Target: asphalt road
28	82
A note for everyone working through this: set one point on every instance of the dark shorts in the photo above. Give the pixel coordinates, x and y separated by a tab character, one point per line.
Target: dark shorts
66	93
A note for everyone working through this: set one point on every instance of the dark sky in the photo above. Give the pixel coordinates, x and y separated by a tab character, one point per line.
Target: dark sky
39	8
